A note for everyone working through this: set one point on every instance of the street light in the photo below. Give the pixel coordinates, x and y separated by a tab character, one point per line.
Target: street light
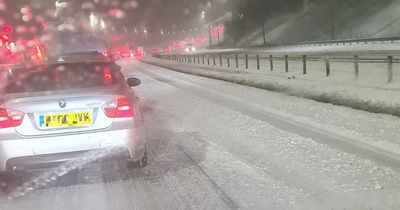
102	24
60	6
93	20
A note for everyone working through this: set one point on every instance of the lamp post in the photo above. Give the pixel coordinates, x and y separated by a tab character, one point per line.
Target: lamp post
203	16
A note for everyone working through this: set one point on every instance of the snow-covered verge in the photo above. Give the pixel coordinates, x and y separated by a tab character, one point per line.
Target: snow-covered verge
376	100
352	19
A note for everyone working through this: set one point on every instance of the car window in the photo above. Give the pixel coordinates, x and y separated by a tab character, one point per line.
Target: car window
61	77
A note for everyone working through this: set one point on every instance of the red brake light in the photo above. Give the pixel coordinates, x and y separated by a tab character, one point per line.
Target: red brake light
119	108
38	53
10	118
7	29
107	77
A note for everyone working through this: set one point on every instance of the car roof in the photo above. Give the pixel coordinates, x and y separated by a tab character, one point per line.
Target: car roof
79	57
90	56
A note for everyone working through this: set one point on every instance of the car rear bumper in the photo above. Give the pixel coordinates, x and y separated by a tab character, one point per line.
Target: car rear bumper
70	159
47	151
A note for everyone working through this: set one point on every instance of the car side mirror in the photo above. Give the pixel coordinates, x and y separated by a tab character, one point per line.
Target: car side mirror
133	82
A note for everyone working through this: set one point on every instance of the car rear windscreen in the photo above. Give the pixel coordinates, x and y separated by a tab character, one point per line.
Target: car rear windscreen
61	77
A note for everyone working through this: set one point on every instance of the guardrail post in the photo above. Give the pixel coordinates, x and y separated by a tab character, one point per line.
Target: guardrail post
328	66
198	59
390	69
185	58
202	59
214	60
246	57
271	62
286	63
237	61
304	64
220	60
258	62
227	61
356	68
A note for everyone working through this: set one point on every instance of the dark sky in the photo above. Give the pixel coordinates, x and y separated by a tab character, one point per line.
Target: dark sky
144	13
152	15
166	13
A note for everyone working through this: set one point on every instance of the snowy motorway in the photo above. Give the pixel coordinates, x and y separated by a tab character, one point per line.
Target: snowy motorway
217	145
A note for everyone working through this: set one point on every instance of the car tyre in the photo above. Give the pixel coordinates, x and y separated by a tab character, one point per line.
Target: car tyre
140	163
6	180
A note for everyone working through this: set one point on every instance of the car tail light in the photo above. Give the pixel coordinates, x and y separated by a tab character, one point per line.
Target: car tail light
38	53
10	118
107	77
119	108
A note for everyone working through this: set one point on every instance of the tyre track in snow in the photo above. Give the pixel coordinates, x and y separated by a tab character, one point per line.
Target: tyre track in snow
317	193
158	186
221	193
341	142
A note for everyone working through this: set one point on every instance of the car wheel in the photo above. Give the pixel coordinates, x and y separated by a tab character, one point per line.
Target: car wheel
140	163
6	180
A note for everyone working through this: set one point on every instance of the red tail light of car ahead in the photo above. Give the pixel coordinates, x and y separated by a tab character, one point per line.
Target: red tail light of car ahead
119	108
107	77
10	118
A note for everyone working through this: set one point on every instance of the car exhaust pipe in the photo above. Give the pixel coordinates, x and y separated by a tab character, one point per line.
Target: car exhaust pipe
18	170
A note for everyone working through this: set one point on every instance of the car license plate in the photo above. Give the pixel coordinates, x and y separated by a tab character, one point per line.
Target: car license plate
65	120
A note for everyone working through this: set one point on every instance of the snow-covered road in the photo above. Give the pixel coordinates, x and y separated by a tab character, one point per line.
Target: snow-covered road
218	145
